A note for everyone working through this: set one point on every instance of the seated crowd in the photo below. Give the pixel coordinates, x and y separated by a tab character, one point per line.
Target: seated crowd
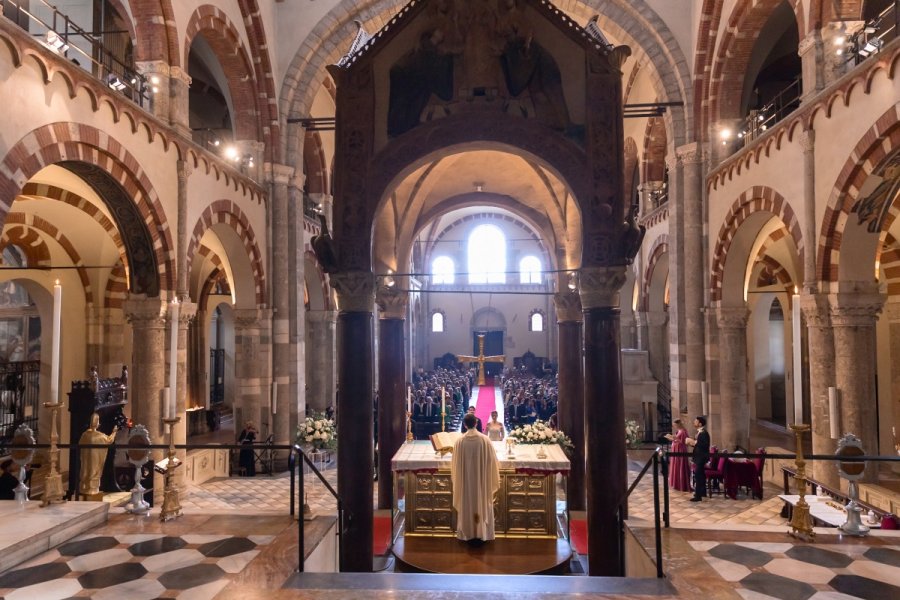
426	390
527	397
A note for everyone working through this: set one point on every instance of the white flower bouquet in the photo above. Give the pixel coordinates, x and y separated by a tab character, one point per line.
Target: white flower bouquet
632	433
317	431
540	433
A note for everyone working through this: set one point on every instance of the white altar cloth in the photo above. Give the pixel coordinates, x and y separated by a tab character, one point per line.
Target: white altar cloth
420	455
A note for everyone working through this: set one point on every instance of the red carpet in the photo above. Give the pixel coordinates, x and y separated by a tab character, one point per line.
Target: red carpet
485	403
381	535
578	535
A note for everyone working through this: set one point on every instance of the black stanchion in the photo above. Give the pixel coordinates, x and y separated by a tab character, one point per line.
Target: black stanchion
657	530
664	462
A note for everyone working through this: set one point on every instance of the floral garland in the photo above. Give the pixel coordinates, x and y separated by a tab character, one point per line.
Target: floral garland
540	433
318	431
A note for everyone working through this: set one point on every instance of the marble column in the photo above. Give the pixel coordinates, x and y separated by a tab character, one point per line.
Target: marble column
280	272
179	102
820	341
391	386
252	376
356	298
570	411
297	326
811	51
733	398
604	418
320	359
677	268
854	310
692	160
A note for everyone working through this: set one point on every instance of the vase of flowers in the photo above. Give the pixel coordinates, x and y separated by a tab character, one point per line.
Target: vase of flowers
318	432
540	433
632	433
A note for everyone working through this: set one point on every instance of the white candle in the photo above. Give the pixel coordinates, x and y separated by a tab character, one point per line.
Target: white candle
409	400
54	355
173	356
443	401
797	358
834	415
166	406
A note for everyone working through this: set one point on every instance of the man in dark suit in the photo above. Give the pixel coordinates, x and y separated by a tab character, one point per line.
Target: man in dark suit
463	427
699	457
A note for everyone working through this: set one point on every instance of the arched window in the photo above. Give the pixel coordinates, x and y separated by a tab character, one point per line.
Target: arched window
487	255
530	270
536	321
437	322
442	270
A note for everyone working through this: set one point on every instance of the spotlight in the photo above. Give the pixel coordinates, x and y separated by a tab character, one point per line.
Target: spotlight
839	40
56	42
115	83
725	134
231	153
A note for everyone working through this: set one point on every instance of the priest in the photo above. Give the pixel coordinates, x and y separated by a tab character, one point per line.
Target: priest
475	473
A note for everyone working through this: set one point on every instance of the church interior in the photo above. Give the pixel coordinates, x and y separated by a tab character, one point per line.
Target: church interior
325	229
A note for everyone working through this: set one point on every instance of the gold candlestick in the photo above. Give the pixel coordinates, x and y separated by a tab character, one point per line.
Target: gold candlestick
171	507
53	488
443	425
409	434
801	521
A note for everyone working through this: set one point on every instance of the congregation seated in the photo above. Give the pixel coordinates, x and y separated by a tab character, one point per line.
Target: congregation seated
528	398
426	389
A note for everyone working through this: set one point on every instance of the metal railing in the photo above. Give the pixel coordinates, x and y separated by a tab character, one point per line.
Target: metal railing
311	208
655	461
19	398
342	518
760	120
59	34
874	35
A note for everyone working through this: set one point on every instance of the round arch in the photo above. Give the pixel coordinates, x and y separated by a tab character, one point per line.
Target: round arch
155	31
656	276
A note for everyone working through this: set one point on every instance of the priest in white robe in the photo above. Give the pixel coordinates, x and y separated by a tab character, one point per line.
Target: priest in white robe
475	474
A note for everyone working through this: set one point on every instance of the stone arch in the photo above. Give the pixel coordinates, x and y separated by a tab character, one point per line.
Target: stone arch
155	31
213	25
634	22
228	213
265	76
658	252
116	287
756	201
728	69
872	150
117	177
30	242
489	314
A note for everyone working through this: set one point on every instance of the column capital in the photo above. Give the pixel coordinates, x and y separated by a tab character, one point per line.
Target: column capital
321	316
809	42
690	154
280	174
568	307
180	74
186	312
855	309
732	317
142	311
808	140
355	290
392	302
599	286
251	317
815	310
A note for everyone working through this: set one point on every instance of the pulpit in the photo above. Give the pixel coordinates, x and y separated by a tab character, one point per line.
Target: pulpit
107	398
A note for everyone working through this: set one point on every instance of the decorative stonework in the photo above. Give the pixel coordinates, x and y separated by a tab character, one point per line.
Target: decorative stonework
732	317
856	309
392	302
144	312
691	154
568	307
816	310
599	286
355	290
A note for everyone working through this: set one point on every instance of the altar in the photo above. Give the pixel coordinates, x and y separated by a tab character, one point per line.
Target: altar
525	506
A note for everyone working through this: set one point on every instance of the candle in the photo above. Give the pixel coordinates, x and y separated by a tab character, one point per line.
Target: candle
54	356
443	401
173	356
409	399
166	405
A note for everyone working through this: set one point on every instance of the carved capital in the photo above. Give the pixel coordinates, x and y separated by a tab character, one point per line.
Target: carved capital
186	313
145	313
184	170
809	42
860	309
355	290
251	318
392	302
808	140
619	55
728	317
568	307
180	74
599	286
281	174
690	154
153	67
815	310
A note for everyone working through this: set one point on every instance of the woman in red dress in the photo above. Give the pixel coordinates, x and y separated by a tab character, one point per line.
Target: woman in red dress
679	466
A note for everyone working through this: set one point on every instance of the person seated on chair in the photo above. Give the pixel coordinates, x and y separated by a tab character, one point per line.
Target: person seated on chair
246	460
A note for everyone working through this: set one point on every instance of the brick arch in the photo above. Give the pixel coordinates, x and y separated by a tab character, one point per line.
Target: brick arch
659	249
728	69
755	199
872	149
16	221
155	32
890	264
213	25
265	76
31	243
632	21
824	11
774	269
229	213
655	145
116	287
99	152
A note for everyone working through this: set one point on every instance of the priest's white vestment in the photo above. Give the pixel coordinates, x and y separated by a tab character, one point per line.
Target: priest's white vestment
475	473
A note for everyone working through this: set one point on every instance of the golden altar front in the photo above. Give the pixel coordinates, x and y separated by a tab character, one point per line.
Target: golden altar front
525	506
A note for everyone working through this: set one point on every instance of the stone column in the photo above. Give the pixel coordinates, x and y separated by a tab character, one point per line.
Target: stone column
692	159
733	399
642	332
252	377
356	298
281	305
297	327
320	359
811	51
854	310
186	314
629	330
179	101
808	143
158	87
604	418
570	411
391	387
677	268
820	340
181	275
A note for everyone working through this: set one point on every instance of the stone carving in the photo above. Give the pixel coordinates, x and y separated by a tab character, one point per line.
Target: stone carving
600	286
732	317
355	290
872	209
392	302
568	307
144	312
92	459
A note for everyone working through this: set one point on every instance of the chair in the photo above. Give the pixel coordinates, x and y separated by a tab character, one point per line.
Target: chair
715	472
759	462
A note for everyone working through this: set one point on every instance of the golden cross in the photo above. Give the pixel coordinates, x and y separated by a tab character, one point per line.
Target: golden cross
480	359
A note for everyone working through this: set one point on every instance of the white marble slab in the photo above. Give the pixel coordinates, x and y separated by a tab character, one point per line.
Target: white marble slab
420	455
28	531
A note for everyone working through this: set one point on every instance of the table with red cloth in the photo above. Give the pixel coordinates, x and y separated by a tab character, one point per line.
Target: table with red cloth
741	473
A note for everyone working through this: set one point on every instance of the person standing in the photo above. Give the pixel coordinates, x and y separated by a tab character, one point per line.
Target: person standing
495	429
246	459
699	457
475	477
679	466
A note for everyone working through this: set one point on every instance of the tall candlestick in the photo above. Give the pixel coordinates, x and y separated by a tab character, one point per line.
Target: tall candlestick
173	356
443	400
797	357
409	399
54	356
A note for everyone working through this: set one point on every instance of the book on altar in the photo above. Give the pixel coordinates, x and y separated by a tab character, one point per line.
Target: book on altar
444	440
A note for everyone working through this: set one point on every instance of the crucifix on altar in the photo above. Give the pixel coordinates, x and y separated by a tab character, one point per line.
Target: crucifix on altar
480	359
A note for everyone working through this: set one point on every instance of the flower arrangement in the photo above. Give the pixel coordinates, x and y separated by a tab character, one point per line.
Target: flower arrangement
318	431
632	433
540	433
